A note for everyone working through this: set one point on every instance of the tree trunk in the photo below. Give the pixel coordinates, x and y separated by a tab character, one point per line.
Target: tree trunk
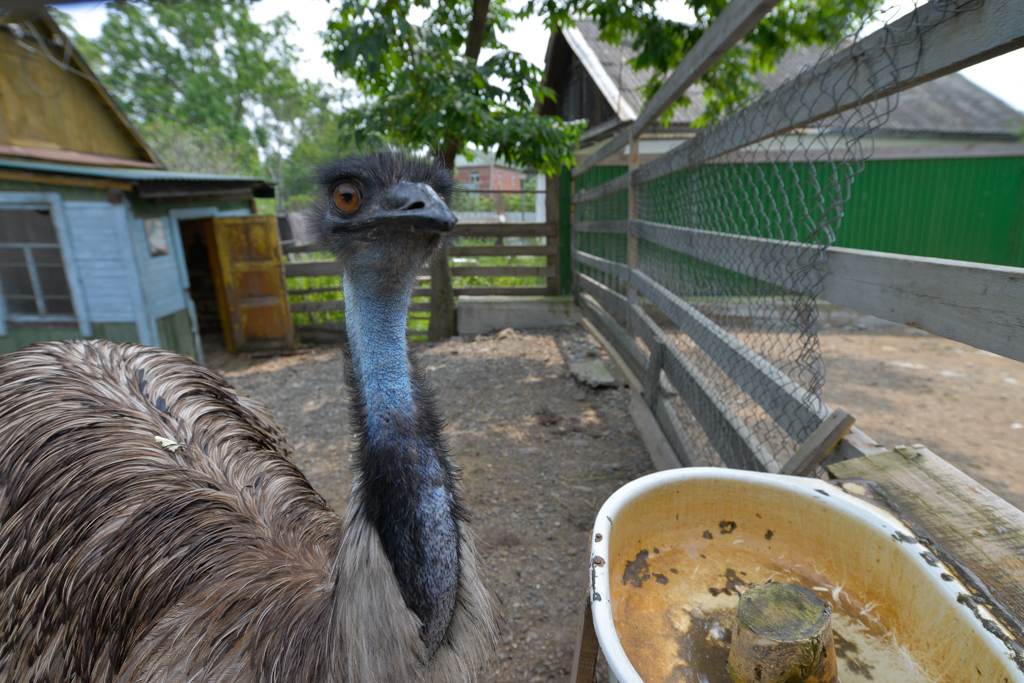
442	293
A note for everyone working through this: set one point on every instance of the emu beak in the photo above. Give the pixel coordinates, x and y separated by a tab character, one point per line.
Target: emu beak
416	206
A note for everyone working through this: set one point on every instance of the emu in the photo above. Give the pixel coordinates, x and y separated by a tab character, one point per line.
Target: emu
153	527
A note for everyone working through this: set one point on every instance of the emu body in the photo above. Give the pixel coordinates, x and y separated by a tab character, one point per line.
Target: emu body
153	528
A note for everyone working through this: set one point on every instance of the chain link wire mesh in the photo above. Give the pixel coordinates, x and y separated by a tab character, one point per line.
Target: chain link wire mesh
786	189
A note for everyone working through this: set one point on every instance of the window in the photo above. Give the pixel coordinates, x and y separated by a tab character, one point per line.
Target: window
474	176
156	236
31	270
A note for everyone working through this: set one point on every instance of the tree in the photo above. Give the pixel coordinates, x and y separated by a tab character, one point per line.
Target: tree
212	90
426	84
661	44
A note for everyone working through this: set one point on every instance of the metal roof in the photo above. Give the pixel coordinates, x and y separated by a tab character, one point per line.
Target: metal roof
129	174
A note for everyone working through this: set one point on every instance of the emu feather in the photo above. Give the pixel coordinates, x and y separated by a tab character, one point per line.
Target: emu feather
153	527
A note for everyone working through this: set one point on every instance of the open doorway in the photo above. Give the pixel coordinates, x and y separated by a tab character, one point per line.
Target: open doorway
203	287
237	283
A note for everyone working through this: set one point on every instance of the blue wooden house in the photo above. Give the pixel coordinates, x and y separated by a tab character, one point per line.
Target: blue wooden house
98	240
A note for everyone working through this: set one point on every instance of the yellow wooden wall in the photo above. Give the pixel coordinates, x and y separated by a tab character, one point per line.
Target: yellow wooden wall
44	106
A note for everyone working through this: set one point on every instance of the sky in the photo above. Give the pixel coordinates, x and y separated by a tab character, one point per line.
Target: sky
1001	76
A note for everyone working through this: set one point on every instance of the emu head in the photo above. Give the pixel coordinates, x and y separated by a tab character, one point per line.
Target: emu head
385	210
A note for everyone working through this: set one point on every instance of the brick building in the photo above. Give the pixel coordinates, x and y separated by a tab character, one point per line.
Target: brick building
484	173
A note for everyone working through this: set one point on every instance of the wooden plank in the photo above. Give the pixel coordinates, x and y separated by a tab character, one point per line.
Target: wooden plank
613	227
293	248
668	419
613	186
603	152
664	413
728	433
619	270
503	271
609	298
894	58
499	291
973	303
317	290
662	455
311	268
584	662
775	261
625	346
506	230
973	531
501	250
317	306
789	404
333	333
66	180
339	305
737	19
819	444
856	444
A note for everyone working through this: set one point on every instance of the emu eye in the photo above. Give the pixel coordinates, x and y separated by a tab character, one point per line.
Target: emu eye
346	197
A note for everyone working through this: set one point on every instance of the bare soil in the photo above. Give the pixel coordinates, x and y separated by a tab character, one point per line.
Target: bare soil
964	404
540	453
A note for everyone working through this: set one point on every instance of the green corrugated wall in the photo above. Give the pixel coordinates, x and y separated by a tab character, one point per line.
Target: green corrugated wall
965	209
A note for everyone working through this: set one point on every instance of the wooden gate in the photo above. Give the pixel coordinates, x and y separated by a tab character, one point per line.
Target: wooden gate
248	274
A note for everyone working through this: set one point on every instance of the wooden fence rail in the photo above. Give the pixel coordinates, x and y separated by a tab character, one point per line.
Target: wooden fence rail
296	267
973	303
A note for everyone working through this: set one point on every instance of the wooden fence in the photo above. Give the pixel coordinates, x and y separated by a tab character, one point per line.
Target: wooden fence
538	240
973	303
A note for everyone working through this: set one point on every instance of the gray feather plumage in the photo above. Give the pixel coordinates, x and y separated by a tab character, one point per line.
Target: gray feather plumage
122	559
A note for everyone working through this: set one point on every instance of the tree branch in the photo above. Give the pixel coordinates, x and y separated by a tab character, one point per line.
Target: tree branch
477	29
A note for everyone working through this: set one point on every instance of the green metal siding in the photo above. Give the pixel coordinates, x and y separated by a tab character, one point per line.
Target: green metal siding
175	332
965	209
23	336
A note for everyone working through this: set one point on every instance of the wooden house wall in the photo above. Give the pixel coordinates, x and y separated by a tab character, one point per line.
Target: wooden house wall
107	268
123	292
45	107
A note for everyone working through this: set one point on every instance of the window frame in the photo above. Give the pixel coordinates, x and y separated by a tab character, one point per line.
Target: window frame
54	204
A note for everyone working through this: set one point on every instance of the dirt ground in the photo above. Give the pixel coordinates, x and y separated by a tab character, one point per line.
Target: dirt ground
540	453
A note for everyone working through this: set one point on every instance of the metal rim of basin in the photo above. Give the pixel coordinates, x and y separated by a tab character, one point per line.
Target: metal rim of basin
600	550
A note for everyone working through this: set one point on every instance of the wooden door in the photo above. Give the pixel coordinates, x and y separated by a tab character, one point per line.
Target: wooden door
245	256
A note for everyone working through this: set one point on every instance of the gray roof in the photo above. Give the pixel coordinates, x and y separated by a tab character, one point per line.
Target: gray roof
151	183
116	173
613	59
951	105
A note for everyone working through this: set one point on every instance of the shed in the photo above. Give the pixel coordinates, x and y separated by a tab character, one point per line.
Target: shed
945	178
98	240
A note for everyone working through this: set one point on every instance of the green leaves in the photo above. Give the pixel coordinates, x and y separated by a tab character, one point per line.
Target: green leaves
421	89
213	91
661	44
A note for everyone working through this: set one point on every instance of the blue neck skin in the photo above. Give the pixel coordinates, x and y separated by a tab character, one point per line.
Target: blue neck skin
406	485
376	333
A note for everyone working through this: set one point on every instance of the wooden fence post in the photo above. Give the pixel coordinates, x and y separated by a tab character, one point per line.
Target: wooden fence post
442	299
631	239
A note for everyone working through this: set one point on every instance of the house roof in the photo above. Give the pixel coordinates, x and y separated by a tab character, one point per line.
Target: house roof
150	183
79	118
950	105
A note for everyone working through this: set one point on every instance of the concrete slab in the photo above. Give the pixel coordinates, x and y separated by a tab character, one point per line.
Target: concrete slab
593	373
486	314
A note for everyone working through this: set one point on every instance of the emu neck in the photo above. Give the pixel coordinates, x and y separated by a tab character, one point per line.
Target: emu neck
406	484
